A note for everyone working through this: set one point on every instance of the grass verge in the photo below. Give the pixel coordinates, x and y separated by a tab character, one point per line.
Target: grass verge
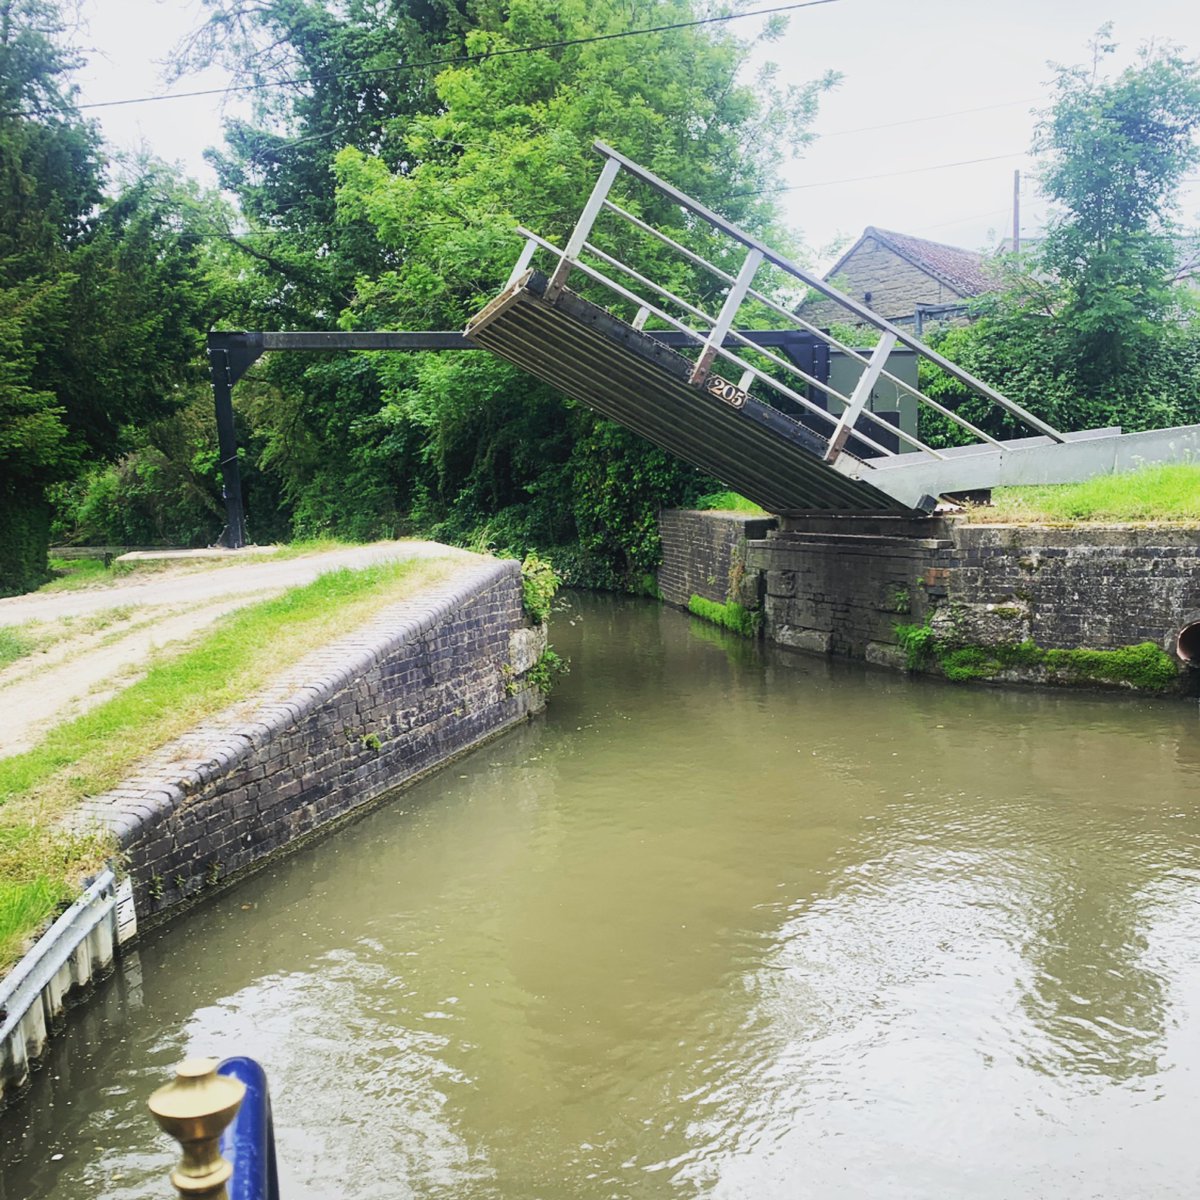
14	644
40	863
74	574
1168	493
729	502
71	574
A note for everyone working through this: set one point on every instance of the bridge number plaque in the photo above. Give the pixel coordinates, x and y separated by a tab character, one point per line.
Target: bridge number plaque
724	390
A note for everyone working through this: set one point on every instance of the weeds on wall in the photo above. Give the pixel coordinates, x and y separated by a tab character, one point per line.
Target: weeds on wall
549	667
1144	667
730	615
539	584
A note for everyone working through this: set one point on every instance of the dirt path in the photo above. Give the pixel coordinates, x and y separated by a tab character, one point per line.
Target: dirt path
96	641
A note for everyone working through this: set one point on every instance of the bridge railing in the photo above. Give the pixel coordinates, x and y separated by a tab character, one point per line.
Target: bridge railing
719	329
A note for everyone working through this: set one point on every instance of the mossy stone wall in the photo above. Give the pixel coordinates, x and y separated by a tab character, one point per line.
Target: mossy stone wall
703	554
848	585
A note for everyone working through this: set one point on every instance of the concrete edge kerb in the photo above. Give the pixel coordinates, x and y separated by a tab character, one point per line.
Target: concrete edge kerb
164	781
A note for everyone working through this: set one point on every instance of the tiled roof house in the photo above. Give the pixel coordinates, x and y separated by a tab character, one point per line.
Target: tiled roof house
893	273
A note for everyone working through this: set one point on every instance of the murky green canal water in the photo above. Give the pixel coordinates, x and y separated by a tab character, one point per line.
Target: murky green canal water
719	925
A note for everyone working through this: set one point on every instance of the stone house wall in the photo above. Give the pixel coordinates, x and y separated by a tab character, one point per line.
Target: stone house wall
895	285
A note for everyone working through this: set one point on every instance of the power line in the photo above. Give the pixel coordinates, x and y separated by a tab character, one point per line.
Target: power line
456	59
799	187
958	112
992	212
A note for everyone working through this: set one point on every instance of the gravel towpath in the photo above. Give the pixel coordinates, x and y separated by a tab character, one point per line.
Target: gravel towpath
96	641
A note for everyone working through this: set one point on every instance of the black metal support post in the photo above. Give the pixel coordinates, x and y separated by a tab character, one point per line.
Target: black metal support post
231	479
232	354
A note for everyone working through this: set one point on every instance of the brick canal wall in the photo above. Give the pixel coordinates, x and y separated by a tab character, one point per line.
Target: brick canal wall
841	585
427	679
703	554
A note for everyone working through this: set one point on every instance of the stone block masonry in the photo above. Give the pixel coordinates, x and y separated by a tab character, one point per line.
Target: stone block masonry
703	554
843	593
842	585
425	680
1097	587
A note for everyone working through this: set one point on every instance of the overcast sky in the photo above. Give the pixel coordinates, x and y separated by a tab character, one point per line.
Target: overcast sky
924	84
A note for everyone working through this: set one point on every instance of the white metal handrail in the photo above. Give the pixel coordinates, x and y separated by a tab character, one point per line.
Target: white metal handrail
740	289
711	320
662	315
819	285
794	318
735	335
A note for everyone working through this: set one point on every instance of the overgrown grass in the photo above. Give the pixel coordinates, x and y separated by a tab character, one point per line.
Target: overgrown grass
71	574
14	644
728	502
1161	493
24	907
729	616
40	863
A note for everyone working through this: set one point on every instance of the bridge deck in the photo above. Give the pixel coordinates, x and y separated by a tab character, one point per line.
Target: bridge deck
628	376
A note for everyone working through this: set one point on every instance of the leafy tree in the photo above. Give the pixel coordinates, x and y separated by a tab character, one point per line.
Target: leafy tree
325	77
1116	151
101	299
136	312
1092	329
434	168
49	183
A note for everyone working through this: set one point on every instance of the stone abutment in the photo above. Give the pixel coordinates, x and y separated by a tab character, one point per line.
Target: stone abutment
995	598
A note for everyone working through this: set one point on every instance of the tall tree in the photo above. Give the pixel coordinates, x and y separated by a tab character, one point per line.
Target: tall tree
1093	329
49	187
323	77
1115	151
101	299
436	161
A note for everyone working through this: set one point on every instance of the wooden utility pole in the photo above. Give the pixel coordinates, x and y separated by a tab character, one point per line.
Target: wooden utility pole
1016	212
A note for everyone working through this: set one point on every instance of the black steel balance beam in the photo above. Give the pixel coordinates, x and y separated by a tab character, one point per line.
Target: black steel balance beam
232	354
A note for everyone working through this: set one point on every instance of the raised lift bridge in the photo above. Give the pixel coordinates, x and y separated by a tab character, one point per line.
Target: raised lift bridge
779	424
781	436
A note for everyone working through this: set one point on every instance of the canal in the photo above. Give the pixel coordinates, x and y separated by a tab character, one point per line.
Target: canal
723	923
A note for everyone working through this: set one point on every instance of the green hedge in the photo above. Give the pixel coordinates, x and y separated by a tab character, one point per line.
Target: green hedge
24	543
